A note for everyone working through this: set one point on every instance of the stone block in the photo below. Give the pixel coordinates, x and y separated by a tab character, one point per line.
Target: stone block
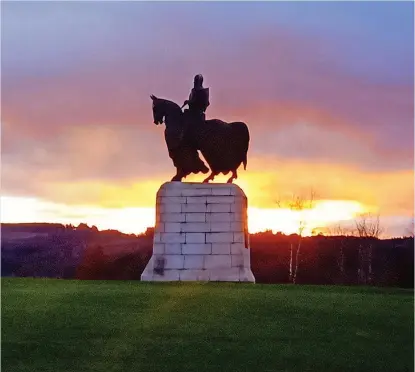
237	248
198	185
169	208
195	238
172	238
220	227
246	254
196	200
194	208
160	227
195	227
173	248
238	237
195	217
219	208
222	191
171	227
237	260
238	217
219	217
217	262
228	275
221	199
194	248
194	275
221	248
194	261
171	200
237	208
172	217
197	192
221	237
158	248
157	237
245	275
237	226
173	261
168	276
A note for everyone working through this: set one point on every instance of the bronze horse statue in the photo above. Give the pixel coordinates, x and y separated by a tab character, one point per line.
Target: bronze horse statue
223	145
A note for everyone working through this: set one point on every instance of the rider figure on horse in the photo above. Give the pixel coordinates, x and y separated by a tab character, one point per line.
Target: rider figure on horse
198	100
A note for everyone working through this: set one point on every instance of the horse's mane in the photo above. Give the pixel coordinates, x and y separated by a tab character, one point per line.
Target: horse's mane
170	104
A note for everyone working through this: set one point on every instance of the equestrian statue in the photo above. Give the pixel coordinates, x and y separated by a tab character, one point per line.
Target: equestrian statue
223	145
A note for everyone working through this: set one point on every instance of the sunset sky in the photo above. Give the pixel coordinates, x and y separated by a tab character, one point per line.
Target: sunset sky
326	88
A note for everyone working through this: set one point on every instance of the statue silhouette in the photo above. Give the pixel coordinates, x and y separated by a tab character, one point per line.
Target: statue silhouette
223	145
198	100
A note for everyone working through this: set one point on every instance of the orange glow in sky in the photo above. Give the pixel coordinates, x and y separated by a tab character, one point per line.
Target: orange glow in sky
327	111
136	220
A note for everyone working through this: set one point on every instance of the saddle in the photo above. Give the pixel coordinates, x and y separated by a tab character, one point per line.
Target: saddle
194	116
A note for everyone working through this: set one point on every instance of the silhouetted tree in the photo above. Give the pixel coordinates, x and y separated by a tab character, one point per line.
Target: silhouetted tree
368	229
299	204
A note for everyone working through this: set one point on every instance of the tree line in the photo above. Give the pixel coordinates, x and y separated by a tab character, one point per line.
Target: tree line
82	252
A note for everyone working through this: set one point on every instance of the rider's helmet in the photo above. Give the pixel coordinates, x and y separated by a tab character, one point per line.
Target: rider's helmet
198	81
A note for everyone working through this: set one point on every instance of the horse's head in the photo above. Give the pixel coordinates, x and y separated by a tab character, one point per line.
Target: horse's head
158	110
163	109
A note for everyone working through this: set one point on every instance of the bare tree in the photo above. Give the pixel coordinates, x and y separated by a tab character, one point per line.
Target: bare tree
367	228
342	233
299	204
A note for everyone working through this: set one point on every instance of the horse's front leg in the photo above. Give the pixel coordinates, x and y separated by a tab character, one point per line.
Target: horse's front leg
178	176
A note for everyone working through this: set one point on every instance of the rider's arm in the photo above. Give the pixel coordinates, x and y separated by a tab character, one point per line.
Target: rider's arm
192	96
188	100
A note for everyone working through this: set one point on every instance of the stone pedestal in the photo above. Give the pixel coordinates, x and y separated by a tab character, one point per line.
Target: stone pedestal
201	234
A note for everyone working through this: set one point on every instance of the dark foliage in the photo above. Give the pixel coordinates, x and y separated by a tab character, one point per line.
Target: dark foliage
59	251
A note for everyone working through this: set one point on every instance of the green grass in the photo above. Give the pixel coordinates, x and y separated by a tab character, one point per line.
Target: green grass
60	326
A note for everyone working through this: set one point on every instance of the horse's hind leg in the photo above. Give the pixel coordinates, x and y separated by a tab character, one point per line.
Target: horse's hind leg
234	176
210	178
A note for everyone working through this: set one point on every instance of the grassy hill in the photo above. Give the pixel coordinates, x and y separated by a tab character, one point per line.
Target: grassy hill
61	325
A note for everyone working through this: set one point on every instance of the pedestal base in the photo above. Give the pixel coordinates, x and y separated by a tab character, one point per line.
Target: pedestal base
201	234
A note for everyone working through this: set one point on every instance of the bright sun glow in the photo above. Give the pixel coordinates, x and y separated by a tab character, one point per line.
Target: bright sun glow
287	221
136	220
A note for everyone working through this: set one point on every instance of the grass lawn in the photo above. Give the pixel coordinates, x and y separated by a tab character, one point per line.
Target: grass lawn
60	326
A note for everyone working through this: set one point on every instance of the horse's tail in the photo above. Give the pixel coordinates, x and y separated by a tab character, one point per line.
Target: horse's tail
243	134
